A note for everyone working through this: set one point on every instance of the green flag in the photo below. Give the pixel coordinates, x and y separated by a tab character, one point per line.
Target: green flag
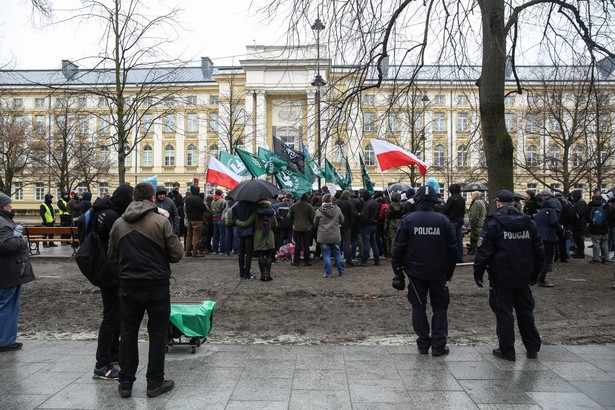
234	163
273	164
333	175
293	181
367	182
348	179
311	167
254	164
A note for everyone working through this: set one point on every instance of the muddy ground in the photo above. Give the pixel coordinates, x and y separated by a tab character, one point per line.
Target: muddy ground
301	307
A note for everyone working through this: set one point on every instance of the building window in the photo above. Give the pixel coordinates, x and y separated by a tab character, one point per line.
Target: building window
554	157
169	101
393	122
370	158
533	187
17	191
169	123
509	100
462	156
368	99
577	156
532	156
213	100
128	160
214	121
439	100
462	100
148	156
39	124
147	122
509	122
438	156
103	123
239	114
439	122
554	124
104	154
103	189
417	122
191	100
148	101
83	102
61	124
369	121
603	122
338	151
531	124
531	100
102	102
169	156
214	151
191	156
39	191
17	103
462	122
39	102
82	122
191	123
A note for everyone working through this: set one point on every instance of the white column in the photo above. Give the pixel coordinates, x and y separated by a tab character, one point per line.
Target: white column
249	126
261	120
179	141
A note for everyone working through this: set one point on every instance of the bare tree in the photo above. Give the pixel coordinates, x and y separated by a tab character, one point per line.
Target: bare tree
15	150
365	34
231	112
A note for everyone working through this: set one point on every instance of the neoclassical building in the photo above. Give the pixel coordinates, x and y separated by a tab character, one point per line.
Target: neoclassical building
178	117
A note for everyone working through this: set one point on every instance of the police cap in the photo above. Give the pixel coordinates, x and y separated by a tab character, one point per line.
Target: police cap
505	196
426	193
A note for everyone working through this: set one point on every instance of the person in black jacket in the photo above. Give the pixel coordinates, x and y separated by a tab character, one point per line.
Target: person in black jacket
351	216
511	250
370	213
550	230
103	214
426	249
178	200
578	228
194	213
598	228
531	206
455	209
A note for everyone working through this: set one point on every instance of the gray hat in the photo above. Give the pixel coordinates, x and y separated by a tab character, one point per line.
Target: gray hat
4	199
545	192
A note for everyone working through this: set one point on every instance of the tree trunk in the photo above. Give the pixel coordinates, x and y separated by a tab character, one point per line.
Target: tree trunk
496	140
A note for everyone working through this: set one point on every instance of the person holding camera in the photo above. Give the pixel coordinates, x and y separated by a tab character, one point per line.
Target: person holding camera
425	249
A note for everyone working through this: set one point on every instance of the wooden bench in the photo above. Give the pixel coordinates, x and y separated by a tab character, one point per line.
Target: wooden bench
37	234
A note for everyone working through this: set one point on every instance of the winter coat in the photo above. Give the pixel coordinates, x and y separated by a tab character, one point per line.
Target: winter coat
143	244
455	208
597	229
302	214
16	267
370	212
217	206
245	217
547	221
328	218
195	207
351	215
478	213
86	202
580	206
168	205
265	224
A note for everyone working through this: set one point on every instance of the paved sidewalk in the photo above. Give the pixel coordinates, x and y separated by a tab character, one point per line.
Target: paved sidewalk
49	374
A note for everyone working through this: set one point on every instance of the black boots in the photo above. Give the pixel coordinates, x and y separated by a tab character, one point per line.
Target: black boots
266	276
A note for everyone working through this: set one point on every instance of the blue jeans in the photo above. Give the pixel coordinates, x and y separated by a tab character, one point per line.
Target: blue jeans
458	228
232	241
219	241
368	237
327	249
10	300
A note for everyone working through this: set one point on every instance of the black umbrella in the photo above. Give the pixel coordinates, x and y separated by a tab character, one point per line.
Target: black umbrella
474	186
399	187
254	189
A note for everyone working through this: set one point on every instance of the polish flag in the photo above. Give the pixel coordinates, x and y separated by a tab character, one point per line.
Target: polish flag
390	156
219	174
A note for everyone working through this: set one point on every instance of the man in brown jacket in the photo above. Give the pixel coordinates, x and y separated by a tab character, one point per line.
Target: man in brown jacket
302	214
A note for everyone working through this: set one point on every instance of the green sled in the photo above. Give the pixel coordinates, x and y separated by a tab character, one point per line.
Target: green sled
193	320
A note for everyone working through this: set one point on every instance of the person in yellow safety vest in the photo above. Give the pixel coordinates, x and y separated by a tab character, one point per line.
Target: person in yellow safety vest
64	212
48	216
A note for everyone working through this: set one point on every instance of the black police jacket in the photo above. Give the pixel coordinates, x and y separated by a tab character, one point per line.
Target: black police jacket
425	246
510	249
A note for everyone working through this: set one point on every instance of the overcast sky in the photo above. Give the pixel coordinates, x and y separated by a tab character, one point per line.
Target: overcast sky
218	29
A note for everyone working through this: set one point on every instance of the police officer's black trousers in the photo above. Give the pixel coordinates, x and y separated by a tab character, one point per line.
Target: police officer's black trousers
502	302
439	298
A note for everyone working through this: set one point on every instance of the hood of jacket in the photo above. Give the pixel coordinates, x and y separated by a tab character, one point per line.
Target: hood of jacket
87	196
552	203
328	209
511	219
137	209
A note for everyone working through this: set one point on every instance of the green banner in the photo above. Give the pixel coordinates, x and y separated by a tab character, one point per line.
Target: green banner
294	182
333	175
234	163
254	164
273	164
348	179
367	182
311	167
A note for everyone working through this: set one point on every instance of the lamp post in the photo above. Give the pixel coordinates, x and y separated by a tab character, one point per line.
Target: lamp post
318	82
424	100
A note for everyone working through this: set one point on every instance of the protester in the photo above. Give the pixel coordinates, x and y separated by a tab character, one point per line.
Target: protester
426	250
455	209
511	248
531	203
302	215
381	240
578	229
103	214
232	241
86	202
329	218
194	214
478	213
549	229
168	205
351	217
245	218
598	228
73	207
16	271
284	234
392	218
219	230
178	200
368	227
264	238
48	217
143	244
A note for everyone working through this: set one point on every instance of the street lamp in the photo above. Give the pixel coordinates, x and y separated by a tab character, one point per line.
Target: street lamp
424	100
318	82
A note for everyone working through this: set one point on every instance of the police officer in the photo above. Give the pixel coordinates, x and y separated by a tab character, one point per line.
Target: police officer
511	250
426	249
65	218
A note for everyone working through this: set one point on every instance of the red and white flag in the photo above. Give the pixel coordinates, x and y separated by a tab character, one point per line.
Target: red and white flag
390	156
219	174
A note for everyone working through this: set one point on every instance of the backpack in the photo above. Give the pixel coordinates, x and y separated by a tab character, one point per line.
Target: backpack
91	256
228	215
596	216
